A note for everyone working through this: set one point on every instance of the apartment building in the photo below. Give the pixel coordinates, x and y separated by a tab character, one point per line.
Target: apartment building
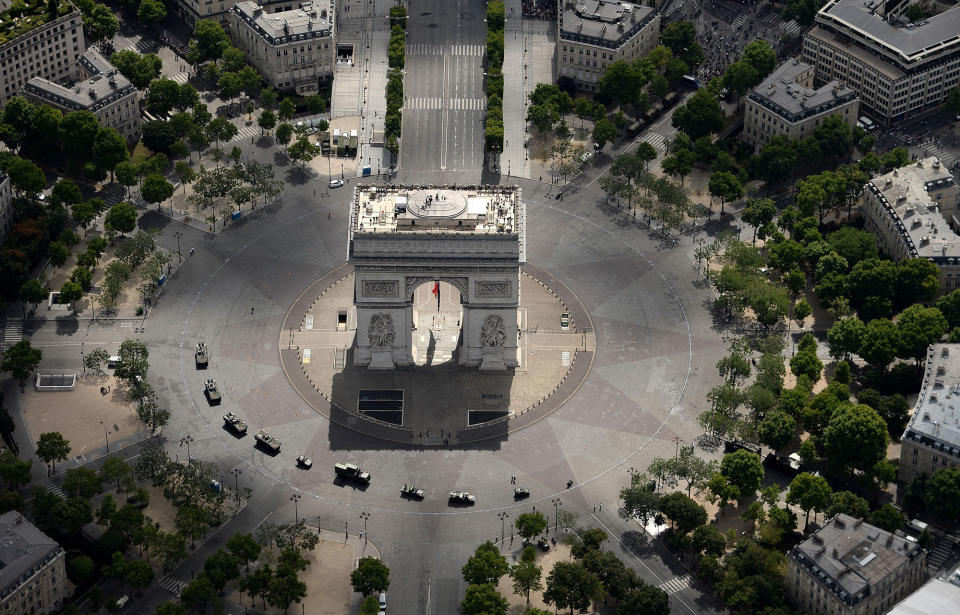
293	50
940	594
897	67
596	33
105	93
912	211
786	103
931	440
6	205
850	567
34	44
33	578
192	11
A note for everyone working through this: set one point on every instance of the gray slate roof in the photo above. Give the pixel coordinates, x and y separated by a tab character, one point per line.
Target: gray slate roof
23	550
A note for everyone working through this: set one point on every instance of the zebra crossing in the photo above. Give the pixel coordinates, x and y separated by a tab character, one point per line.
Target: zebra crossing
48	486
141	46
171	585
739	21
13	332
791	27
244	132
180	78
454	104
427	49
657	140
676	584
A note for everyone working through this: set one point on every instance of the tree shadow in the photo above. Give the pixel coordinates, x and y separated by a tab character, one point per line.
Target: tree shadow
297	176
67	325
280	159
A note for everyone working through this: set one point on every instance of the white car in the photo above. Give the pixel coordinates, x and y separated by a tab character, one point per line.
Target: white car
336	183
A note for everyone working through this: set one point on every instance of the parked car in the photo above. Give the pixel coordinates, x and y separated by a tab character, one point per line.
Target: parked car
336	183
521	492
461	497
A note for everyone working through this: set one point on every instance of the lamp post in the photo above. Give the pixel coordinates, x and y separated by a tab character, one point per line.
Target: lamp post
556	514
187	439
105	439
503	515
295	498
236	482
178	235
364	515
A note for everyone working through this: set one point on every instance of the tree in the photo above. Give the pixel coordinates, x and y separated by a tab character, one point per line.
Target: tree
244	548
917	281
25	177
20	360
526	574
776	429
530	524
486	565
302	151
483	599
198	592
758	213
156	189
141	70
809	492
52	447
220	568
681	38
192	521
370	576
81	570
151	11
708	539
678	165
258	583
848	503
640	499
603	132
725	186
919	327
743	470
880	343
645	600
33	291
845	336
82	482
887	518
109	148
942	493
684	513
855	438
115	469
285	589
122	217
571	585
286	110
700	116
806	363
267	120
761	57
133	364
185	173
139	574
220	129
208	42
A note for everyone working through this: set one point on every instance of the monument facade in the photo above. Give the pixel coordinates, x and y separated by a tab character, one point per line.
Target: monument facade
473	238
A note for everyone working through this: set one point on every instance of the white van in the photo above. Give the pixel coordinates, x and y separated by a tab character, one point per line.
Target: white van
867	123
113	361
122	601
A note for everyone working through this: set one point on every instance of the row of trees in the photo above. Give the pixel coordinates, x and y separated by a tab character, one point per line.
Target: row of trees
493	127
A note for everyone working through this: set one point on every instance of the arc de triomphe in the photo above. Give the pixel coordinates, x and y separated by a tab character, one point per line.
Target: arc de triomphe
473	238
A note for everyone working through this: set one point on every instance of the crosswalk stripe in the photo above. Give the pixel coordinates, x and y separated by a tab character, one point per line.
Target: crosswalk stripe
13	333
657	140
171	585
454	104
676	584
48	486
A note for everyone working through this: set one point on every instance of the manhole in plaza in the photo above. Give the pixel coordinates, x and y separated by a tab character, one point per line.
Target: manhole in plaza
381	404
475	417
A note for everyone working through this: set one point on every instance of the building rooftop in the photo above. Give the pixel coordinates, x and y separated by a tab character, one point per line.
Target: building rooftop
888	70
34	16
781	93
89	95
602	22
905	194
936	417
94	63
938	595
909	41
23	550
849	556
430	210
312	20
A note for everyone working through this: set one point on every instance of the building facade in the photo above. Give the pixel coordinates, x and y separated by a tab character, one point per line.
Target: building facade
6	205
850	567
33	578
897	67
192	11
33	45
596	33
105	93
931	440
939	595
293	50
913	212
473	238
786	103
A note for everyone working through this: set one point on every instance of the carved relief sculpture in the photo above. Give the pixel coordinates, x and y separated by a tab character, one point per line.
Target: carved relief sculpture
381	331
492	333
492	289
380	288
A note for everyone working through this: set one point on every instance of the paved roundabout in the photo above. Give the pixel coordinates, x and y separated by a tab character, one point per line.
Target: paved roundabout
653	363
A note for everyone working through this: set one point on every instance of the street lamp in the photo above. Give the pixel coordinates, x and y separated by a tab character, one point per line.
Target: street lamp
295	498
187	439
556	514
503	515
178	235
364	515
236	482
105	439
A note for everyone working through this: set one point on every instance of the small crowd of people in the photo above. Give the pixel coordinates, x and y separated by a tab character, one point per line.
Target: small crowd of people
540	9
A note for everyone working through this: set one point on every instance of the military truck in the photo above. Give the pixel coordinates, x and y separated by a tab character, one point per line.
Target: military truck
269	442
349	471
462	497
234	423
212	392
201	356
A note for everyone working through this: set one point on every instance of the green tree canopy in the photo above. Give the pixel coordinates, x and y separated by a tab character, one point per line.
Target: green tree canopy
486	565
855	438
370	576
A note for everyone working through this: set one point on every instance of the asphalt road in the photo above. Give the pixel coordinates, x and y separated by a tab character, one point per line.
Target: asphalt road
444	101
